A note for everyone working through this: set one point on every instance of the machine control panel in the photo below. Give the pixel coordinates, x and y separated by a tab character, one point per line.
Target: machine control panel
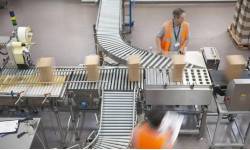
211	57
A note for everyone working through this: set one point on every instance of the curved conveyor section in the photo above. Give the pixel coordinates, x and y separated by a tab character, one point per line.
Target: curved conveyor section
117	120
109	25
108	36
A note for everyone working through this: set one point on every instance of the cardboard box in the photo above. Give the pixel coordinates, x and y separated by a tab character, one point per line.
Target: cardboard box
234	66
45	66
133	63
177	75
93	67
178	67
178	61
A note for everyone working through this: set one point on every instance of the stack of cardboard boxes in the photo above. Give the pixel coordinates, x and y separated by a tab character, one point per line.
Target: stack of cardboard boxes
241	22
234	66
45	66
178	67
133	63
93	68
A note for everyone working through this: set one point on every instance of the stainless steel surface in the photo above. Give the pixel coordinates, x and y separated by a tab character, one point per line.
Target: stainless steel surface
161	90
238	95
25	142
238	141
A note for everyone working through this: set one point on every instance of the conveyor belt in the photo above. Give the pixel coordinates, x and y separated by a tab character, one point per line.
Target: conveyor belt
108	29
117	80
116	121
16	81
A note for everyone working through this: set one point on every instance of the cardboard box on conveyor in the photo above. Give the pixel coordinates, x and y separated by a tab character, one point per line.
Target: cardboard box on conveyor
234	66
133	63
93	67
45	66
178	66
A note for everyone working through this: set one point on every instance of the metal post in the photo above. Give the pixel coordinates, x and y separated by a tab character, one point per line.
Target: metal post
97	49
248	128
130	16
216	130
123	17
73	119
59	125
203	122
43	134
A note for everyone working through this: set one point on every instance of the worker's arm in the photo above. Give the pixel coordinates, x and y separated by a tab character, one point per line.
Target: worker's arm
159	35
182	49
158	43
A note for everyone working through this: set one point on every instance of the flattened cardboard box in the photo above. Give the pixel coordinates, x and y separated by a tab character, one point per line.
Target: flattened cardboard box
45	66
133	63
93	68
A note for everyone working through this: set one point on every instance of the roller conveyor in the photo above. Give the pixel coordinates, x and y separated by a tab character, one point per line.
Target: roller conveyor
109	27
116	80
115	128
16	85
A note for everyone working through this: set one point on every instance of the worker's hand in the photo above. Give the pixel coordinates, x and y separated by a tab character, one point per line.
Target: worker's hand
181	51
159	52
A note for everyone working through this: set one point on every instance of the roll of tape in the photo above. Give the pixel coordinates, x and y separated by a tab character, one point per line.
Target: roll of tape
23	34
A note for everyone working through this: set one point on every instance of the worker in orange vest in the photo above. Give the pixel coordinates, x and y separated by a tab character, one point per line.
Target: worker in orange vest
174	34
146	135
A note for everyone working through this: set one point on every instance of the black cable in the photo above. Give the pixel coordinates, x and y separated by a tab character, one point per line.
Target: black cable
3	53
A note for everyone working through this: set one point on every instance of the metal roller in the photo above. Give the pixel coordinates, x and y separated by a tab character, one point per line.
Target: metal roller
108	35
31	83
115	143
153	61
116	80
116	122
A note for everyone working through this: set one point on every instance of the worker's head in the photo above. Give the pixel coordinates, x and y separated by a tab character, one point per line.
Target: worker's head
179	15
155	117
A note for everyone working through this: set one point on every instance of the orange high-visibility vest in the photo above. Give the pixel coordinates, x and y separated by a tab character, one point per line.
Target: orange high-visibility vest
166	39
144	137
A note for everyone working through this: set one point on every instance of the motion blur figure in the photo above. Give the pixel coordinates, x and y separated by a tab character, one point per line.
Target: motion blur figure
146	134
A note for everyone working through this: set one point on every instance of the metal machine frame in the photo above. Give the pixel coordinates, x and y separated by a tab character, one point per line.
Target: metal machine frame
221	111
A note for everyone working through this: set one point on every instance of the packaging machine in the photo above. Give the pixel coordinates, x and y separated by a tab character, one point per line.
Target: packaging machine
17	48
114	97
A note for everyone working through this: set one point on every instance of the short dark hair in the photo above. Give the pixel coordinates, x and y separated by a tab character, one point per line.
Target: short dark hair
177	12
155	117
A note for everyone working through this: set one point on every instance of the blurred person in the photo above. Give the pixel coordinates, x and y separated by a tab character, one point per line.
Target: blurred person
146	134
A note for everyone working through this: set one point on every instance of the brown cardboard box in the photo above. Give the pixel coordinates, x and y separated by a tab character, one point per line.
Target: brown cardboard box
45	66
133	63
178	66
178	61
234	66
177	75
93	68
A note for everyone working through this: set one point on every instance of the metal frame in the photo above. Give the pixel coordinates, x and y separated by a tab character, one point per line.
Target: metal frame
222	110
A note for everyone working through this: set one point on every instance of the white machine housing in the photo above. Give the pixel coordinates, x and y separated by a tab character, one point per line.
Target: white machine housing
19	56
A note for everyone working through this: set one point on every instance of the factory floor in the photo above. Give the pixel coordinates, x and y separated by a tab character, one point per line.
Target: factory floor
63	29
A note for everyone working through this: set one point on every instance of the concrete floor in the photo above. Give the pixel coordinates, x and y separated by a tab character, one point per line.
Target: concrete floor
63	29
